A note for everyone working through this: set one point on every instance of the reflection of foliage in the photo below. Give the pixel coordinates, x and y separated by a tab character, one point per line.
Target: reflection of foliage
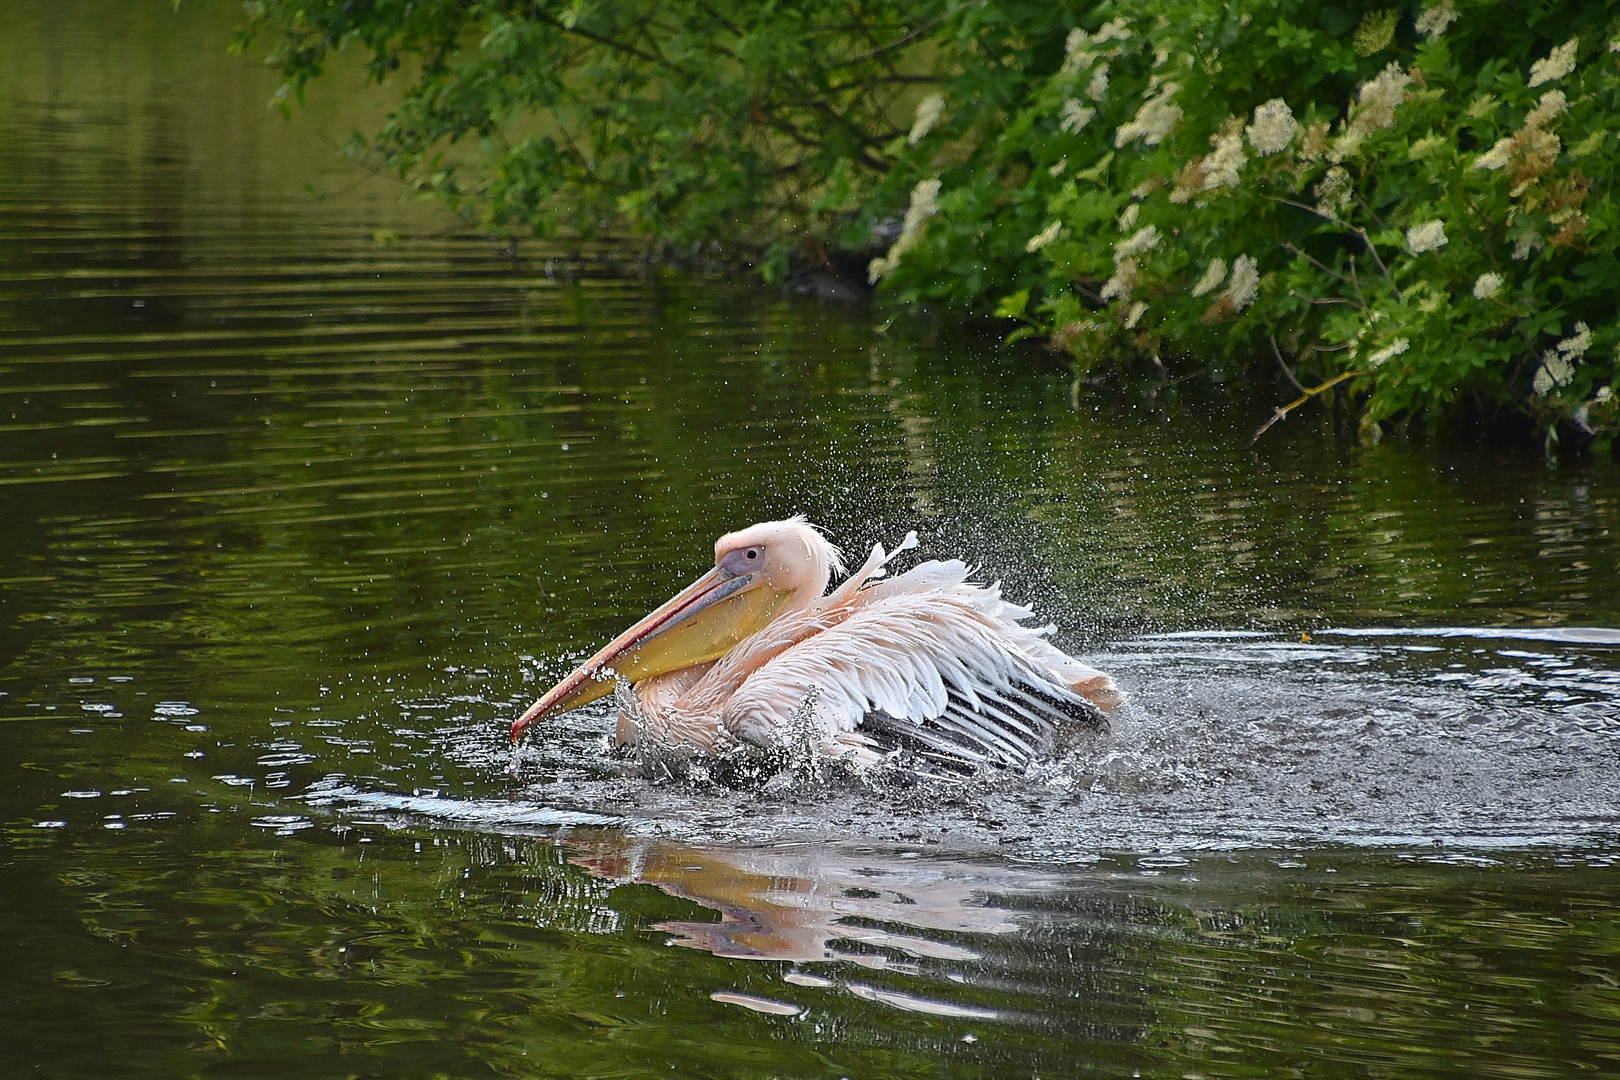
1404	970
425	953
428	952
688	121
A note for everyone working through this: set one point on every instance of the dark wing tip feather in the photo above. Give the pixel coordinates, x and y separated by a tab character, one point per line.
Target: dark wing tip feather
1009	729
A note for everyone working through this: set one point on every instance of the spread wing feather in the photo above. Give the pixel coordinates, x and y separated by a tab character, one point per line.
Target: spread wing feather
927	661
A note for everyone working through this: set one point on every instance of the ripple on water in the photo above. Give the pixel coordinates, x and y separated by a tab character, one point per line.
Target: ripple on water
1230	741
282	824
353	501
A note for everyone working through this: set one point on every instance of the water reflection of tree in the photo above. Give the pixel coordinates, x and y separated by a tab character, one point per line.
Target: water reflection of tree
432	950
502	955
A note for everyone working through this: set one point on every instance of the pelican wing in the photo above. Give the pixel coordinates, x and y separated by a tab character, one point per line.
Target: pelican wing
926	661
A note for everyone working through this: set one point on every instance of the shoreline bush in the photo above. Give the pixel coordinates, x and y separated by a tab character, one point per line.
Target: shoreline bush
1413	205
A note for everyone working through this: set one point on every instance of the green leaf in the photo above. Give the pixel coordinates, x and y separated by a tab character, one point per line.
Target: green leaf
1095	174
1014	306
1375	33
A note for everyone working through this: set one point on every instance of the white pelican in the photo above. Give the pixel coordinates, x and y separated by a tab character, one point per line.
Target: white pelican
924	664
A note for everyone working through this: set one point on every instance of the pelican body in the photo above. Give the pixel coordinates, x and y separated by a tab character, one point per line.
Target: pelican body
756	653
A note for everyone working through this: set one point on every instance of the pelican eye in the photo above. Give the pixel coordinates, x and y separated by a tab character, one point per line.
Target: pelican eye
744	560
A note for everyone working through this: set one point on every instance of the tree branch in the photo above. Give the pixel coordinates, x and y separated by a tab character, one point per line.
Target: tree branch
1278	354
1322	266
1357	229
898	43
1284	410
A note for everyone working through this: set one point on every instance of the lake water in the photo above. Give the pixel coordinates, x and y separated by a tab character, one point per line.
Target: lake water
306	493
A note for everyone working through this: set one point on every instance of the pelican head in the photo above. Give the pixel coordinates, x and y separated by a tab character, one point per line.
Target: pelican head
759	572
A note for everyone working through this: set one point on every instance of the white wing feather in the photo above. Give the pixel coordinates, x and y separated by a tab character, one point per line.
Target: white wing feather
925	648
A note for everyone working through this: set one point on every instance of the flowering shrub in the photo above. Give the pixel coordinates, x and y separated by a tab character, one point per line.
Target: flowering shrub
1417	203
1414	203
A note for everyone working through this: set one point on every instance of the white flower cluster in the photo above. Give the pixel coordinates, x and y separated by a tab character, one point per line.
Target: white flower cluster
1157	117
928	110
1434	20
1044	237
923	206
1126	269
1377	102
1333	192
1075	116
1140	242
1075	46
1547	109
1429	236
1222	165
1274	127
1389	352
1135	314
1497	156
1533	137
1083	49
1214	274
1098	86
1558	363
1381	97
1554	373
1487	285
1559	62
1314	147
1366	329
1526	243
1114	30
1577	343
1120	285
1245	283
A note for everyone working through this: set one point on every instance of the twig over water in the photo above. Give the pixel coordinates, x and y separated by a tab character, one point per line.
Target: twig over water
1284	410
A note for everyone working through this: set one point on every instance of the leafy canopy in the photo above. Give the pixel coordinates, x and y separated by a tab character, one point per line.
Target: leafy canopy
1415	203
757	126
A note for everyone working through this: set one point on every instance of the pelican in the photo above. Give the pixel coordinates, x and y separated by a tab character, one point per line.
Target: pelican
755	654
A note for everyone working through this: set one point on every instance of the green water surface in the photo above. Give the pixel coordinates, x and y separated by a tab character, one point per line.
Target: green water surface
305	492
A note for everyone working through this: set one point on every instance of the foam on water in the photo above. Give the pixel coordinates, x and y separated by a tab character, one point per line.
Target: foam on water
1248	740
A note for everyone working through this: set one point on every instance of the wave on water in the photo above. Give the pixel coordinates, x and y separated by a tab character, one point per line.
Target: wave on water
1568	635
335	793
1469	739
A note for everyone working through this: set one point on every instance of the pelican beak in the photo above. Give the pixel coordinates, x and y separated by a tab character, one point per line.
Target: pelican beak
702	622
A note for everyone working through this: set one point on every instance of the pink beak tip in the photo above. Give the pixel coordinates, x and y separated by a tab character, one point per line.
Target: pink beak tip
521	724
